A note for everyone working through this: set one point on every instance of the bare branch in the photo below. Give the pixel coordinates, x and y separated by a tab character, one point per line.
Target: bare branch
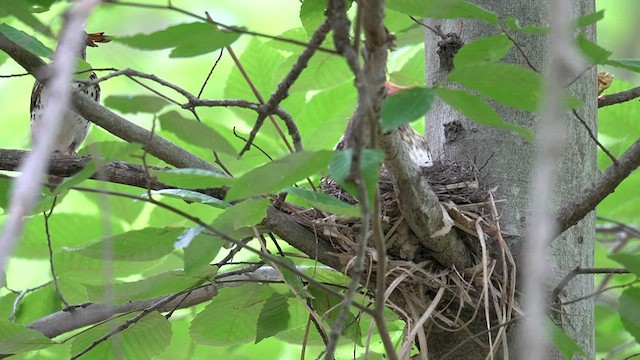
619	97
583	203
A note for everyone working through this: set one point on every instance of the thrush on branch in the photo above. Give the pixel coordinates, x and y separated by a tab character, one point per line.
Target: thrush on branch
416	144
74	127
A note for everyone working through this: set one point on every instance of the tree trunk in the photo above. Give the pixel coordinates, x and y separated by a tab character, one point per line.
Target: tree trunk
506	159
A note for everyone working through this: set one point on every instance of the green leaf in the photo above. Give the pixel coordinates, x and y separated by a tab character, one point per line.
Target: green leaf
137	245
190	196
594	52
506	83
633	65
275	176
128	104
324	202
483	50
274	317
192	178
20	10
327	306
589	19
26	41
443	9
629	314
186	40
404	107
475	109
370	164
312	15
144	339
247	213
231	317
15	338
201	250
514	24
324	71
155	286
630	262
563	342
292	279
195	133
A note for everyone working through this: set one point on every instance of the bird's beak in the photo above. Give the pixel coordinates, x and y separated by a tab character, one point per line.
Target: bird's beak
393	88
94	38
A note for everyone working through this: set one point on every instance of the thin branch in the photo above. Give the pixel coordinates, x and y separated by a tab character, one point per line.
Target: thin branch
282	91
619	97
213	67
51	265
593	136
209	20
584	202
585	271
520	50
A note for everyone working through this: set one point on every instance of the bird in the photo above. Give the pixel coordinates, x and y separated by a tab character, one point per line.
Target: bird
74	127
417	145
604	82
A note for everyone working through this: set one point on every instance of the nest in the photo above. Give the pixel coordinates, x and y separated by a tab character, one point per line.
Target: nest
447	299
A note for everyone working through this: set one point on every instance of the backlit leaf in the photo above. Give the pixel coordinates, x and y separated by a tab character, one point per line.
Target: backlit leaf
274	317
26	41
563	342
15	338
405	106
192	178
128	104
443	9
324	202
483	50
629	314
370	164
195	133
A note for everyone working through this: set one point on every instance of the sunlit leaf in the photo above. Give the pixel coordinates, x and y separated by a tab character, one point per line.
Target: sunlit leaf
20	9
128	104
563	342
404	107
231	317
506	83
143	339
312	14
137	245
629	314
275	176
192	178
186	40
273	318
594	52
475	109
195	133
483	50
589	19
324	202
26	41
15	338
443	9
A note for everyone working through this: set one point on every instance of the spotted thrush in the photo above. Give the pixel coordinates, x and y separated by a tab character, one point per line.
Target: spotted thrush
74	127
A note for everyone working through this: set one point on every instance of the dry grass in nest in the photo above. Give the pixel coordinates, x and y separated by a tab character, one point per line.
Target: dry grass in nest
425	293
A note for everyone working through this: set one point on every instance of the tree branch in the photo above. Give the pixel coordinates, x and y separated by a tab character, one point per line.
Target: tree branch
574	210
619	97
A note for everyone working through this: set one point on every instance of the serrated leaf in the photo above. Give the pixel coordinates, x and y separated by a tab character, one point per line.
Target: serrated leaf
292	279
631	262
146	338
195	133
563	342
629	314
20	10
514	24
370	164
475	109
483	50
443	9
137	245
15	338
128	104
506	83
274	317
594	52
155	286
324	202
190	196
231	317
404	107
186	40
275	176
26	41
192	178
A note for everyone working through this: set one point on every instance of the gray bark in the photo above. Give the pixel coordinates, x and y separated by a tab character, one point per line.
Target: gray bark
508	159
